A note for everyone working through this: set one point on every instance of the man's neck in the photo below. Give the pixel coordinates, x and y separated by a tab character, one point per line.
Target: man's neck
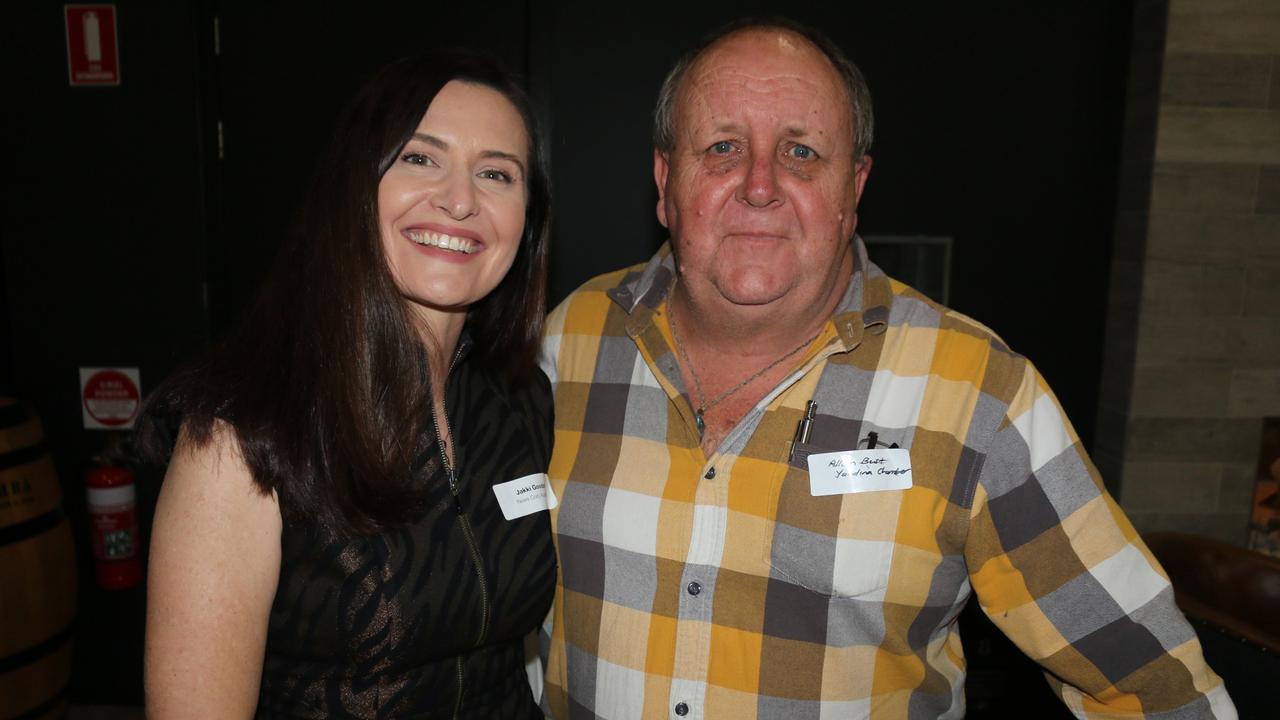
719	327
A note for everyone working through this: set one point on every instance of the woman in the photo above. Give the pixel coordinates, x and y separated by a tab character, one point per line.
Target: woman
328	540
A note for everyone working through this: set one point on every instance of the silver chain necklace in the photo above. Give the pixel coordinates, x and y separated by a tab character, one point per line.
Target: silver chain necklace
703	405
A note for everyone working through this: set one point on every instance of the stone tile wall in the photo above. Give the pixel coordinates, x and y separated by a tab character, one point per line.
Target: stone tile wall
1193	356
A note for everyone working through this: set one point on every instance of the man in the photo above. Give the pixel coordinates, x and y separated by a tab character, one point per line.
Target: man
724	557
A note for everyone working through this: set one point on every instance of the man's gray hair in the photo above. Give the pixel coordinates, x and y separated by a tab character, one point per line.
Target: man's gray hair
855	85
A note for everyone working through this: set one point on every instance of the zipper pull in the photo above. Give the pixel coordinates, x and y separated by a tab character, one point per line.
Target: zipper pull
453	490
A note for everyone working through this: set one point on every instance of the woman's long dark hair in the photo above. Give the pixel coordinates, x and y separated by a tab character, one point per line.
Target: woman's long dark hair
324	381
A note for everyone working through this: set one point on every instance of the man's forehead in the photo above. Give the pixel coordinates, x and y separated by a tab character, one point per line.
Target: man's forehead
781	86
763	53
781	70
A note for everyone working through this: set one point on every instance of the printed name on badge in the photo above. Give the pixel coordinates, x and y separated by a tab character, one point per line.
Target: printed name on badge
525	496
851	471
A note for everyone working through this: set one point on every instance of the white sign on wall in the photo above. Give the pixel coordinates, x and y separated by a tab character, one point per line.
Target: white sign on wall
110	397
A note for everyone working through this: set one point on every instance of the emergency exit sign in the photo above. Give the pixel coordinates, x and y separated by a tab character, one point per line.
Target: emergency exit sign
93	58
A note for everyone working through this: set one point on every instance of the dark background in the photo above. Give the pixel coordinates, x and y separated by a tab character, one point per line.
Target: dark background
139	218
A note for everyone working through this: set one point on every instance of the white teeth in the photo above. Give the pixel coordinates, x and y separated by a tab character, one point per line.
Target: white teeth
442	241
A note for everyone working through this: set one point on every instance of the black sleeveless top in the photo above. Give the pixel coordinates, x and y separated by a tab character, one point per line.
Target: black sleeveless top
425	621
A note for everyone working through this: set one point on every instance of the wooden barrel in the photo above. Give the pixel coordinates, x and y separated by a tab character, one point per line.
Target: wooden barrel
37	574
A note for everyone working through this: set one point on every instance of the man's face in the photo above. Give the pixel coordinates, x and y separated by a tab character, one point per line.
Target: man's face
760	191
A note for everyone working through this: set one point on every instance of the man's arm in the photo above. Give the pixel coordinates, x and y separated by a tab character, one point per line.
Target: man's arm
1061	571
547	361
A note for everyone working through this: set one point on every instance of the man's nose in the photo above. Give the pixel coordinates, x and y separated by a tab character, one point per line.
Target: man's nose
760	186
456	196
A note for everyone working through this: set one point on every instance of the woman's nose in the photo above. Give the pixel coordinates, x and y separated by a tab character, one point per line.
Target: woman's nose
456	196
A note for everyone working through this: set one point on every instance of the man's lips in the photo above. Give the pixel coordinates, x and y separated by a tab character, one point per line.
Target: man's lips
755	235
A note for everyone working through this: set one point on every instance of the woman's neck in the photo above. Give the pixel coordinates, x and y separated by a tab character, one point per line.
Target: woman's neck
439	331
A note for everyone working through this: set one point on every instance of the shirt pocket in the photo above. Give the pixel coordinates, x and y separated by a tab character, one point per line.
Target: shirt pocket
840	546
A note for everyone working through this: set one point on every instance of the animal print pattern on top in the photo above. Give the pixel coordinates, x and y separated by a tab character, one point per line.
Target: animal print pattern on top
401	624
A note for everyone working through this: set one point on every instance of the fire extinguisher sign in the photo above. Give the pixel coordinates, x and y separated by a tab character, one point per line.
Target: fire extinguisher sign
93	56
109	397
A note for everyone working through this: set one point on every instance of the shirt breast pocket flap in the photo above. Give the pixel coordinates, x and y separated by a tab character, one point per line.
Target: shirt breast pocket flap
840	546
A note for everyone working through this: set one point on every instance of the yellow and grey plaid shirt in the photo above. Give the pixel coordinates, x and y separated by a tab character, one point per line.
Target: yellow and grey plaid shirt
719	587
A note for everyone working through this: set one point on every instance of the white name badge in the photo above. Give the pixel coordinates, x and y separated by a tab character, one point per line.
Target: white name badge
525	496
852	471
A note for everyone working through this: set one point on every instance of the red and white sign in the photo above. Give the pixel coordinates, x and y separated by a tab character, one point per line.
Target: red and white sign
109	397
93	57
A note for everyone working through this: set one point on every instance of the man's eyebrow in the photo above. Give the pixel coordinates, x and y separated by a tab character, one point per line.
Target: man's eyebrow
488	154
790	131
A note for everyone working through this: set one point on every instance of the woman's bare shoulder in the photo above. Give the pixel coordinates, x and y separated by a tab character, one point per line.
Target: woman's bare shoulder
215	561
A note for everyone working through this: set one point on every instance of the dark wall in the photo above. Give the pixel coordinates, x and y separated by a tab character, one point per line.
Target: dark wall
103	249
130	239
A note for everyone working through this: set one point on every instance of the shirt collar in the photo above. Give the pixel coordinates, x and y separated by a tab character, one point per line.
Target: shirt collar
864	307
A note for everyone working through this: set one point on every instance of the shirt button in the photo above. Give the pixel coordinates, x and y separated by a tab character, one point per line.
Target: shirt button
711	474
694	588
682	709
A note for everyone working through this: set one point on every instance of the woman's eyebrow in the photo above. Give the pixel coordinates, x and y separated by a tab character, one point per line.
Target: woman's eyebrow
431	140
488	154
500	155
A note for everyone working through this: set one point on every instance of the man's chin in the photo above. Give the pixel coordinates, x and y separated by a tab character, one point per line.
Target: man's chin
753	292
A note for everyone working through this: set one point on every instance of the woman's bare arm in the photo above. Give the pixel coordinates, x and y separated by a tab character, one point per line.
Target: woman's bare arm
215	562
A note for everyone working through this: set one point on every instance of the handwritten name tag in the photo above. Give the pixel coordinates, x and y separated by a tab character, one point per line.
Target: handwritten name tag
525	496
851	471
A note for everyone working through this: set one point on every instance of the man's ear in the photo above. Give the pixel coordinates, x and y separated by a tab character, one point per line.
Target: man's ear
860	173
860	178
660	168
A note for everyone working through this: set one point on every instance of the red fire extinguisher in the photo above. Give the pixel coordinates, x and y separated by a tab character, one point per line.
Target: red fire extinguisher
113	521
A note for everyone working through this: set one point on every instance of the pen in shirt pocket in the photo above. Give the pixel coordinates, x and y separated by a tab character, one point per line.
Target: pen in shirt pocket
803	428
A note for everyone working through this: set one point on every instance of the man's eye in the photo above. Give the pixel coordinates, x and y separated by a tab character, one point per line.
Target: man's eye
802	152
724	147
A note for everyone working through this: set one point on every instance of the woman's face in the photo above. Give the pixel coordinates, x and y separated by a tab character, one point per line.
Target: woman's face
451	206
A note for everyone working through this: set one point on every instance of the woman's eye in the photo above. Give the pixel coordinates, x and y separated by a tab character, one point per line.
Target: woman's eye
417	159
724	147
802	152
499	175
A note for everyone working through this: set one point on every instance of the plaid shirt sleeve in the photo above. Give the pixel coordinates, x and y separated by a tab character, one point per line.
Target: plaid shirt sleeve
712	587
1059	569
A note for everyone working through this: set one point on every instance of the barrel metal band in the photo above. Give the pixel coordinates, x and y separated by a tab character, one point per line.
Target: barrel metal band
30	528
48	646
22	456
